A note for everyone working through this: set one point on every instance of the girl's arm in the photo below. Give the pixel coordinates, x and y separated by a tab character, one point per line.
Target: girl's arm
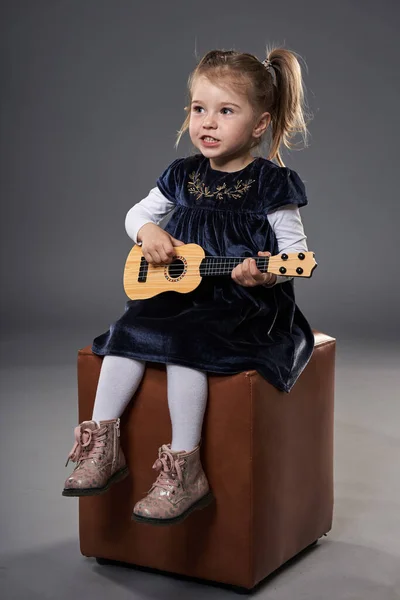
151	209
289	232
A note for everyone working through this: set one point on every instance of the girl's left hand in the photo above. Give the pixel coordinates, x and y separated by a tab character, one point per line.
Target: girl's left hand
248	275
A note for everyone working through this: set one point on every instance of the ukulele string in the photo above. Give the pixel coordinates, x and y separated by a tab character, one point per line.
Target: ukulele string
193	270
217	266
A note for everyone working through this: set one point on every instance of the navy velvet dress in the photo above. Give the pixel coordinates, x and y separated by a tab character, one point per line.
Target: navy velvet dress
221	326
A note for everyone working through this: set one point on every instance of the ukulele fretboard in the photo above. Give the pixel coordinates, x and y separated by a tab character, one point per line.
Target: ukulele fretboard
222	265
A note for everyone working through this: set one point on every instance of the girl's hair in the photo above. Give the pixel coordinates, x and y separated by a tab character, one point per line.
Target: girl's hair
285	101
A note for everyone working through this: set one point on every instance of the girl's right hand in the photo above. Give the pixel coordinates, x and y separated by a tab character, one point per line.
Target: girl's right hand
157	244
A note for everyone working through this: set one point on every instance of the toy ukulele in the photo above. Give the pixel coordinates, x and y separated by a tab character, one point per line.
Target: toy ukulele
144	280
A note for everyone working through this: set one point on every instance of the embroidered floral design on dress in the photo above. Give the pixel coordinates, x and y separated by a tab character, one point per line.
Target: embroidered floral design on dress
197	187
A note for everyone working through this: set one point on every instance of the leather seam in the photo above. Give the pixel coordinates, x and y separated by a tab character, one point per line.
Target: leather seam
326	343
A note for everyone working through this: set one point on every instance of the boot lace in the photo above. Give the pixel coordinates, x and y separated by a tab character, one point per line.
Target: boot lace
89	443
170	471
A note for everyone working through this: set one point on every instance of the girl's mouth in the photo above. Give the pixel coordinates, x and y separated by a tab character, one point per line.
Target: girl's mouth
209	141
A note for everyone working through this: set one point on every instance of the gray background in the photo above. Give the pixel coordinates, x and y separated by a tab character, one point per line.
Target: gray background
92	94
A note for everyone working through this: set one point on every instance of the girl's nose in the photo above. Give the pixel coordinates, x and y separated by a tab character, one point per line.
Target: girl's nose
209	121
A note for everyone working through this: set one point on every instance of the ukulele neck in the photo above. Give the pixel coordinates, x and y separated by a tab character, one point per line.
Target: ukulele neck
223	265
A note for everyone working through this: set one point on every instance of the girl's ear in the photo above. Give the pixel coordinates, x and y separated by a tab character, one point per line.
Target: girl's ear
262	124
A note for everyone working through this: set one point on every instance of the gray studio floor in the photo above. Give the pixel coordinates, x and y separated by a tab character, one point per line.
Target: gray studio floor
39	554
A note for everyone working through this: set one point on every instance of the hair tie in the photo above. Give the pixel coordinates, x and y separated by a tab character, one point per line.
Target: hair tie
268	65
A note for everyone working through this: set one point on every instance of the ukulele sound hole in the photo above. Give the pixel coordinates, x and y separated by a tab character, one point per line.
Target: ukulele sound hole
176	270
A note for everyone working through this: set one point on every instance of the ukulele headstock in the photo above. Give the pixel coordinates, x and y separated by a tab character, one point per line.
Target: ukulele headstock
293	264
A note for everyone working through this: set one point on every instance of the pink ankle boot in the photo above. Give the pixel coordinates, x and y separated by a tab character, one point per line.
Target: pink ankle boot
180	488
99	457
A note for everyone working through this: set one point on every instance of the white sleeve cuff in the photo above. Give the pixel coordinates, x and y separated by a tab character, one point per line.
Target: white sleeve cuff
151	209
289	232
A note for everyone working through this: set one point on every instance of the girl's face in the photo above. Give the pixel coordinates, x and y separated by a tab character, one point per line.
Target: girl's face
222	123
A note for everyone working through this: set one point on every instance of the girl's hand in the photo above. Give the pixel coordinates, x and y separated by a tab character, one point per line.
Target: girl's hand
157	245
248	275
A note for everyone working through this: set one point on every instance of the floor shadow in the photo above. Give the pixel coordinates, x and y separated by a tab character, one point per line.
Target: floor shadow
331	570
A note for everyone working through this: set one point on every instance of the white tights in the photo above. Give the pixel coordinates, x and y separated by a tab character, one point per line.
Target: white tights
187	396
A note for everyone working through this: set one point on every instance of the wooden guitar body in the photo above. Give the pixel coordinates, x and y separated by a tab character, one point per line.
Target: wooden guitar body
143	280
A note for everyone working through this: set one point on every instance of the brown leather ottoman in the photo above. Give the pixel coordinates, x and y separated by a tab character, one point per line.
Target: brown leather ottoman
268	456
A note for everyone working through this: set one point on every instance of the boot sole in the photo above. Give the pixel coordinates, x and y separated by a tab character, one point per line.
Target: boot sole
118	476
202	503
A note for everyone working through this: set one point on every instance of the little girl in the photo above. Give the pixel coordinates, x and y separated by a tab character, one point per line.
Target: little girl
232	204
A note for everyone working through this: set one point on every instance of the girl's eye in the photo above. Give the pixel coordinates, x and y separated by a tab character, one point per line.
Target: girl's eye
197	109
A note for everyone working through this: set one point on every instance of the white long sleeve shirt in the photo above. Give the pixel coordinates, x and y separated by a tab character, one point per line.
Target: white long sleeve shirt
286	222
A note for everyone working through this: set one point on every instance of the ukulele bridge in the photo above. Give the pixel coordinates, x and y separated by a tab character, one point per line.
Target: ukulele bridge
143	270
